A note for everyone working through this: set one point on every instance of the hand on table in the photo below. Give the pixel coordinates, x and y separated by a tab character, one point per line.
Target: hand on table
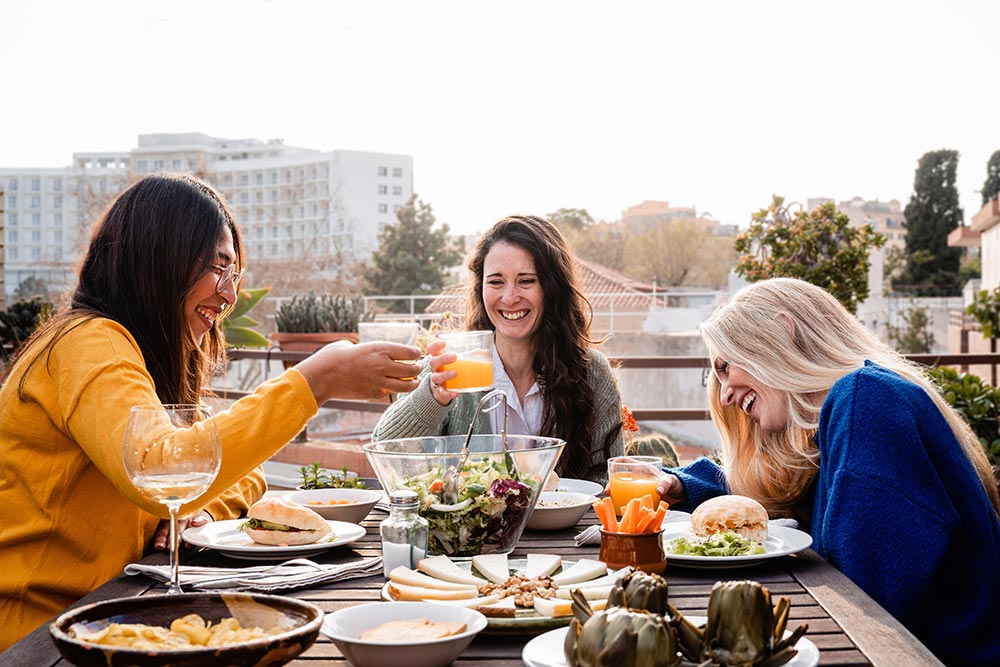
162	535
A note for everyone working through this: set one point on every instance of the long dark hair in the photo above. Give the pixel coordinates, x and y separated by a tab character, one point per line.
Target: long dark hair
562	341
148	250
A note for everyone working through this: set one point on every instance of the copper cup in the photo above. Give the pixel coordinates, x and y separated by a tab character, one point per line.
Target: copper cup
643	551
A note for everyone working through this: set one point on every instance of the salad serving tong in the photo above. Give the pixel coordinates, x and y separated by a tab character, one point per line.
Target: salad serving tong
449	489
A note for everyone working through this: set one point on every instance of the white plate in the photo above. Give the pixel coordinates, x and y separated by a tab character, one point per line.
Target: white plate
547	650
225	537
781	541
580	486
527	620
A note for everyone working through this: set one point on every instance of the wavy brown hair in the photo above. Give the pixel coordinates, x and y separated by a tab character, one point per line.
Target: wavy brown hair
148	250
562	340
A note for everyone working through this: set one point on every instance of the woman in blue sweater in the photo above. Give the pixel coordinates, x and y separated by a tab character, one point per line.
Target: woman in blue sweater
822	421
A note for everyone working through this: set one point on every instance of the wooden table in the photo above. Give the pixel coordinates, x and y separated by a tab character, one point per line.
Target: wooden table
847	626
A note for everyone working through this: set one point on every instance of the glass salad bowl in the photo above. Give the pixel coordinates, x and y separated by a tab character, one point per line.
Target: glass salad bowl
492	493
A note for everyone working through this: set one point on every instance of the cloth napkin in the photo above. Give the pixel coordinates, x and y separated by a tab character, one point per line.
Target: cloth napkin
592	534
296	573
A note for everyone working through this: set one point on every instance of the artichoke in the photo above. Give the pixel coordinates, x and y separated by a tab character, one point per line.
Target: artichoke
619	636
743	628
639	590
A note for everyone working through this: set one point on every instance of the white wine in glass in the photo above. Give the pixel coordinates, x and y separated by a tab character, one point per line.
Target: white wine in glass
172	455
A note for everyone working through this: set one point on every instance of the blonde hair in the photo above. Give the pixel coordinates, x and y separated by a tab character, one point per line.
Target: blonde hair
797	338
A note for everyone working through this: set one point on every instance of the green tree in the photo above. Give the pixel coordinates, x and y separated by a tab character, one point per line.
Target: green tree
413	256
571	218
31	288
819	246
19	321
932	268
991	186
985	307
915	336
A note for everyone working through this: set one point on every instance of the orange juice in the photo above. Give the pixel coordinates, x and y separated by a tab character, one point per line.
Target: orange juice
473	374
625	486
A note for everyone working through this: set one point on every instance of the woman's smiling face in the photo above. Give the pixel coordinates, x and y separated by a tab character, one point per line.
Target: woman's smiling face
765	405
205	304
512	293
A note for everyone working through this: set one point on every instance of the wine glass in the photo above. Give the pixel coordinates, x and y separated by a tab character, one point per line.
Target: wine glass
172	455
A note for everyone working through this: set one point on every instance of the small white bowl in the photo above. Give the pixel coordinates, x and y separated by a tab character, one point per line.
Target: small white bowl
345	626
360	502
558	510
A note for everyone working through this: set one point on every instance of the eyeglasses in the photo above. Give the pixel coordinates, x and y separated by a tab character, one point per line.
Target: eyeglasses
228	275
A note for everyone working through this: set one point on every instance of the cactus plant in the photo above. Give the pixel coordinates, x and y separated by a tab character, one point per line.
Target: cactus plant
653	445
323	313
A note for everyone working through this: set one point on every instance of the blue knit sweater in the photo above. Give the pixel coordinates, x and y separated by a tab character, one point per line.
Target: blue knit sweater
899	509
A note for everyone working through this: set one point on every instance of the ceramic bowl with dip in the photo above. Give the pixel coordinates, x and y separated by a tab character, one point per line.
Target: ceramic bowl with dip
559	510
350	505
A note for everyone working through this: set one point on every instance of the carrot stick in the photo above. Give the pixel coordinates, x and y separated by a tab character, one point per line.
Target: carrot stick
602	513
645	516
609	506
629	515
657	519
647	501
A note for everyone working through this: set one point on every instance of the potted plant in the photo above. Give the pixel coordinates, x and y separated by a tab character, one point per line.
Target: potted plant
307	322
238	326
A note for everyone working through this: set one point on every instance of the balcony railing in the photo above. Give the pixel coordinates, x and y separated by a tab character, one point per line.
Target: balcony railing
960	362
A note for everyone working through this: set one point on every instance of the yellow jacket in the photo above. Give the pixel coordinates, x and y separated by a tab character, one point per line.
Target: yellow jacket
69	516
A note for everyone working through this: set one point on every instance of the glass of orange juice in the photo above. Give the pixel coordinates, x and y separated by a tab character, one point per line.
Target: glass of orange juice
633	477
474	363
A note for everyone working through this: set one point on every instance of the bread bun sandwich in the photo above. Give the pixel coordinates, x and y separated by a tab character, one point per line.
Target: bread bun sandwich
739	514
278	521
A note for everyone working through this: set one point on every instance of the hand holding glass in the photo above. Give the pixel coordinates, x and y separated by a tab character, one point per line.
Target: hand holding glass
633	477
475	360
172	455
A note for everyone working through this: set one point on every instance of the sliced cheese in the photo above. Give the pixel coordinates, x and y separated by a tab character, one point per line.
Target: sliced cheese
582	570
399	591
557	607
404	575
606	580
443	568
493	567
472	603
540	565
589	592
504	608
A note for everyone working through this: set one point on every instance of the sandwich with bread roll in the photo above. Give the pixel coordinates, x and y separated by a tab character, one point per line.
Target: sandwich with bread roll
279	521
740	514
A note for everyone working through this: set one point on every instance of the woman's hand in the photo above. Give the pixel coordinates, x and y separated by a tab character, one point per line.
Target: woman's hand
671	489
365	371
435	362
161	539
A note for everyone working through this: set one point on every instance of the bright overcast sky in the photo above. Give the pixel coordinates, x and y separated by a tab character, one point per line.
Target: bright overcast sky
528	106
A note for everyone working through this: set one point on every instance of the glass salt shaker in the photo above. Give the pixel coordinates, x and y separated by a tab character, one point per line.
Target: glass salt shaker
404	532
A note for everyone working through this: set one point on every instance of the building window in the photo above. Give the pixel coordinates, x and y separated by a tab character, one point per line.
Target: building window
36	254
57	185
12	253
57	236
57	218
11	201
397	172
397	190
36	218
12	236
244	179
36	237
175	165
12	219
383	171
383	208
36	184
383	189
12	185
103	185
57	202
36	201
157	164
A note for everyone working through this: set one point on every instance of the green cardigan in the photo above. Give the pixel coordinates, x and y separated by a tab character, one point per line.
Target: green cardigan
419	414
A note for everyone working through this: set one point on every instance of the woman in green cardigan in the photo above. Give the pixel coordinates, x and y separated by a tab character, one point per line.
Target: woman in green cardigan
524	288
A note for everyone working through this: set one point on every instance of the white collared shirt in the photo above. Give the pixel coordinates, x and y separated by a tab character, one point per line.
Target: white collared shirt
521	419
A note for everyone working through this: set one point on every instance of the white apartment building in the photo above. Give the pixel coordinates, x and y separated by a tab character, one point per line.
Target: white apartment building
290	202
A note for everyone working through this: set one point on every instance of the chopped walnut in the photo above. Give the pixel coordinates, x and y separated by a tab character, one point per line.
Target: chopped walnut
523	589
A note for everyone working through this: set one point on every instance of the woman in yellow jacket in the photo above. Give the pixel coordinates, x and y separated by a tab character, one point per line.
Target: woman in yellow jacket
164	264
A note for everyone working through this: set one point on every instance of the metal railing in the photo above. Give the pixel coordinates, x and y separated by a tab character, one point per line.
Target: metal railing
958	361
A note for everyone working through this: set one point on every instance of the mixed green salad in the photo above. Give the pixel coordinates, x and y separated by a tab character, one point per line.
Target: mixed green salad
491	506
726	543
